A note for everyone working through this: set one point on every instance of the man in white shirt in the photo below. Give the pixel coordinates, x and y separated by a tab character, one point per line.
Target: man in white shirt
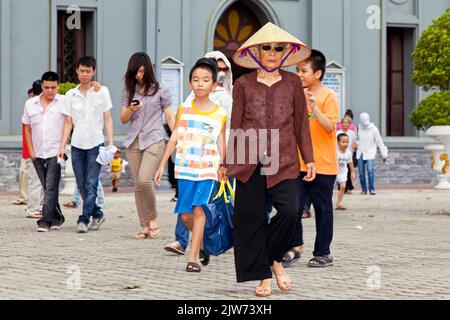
44	122
88	111
369	139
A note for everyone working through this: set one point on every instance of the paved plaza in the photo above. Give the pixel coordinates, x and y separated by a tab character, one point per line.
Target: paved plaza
395	245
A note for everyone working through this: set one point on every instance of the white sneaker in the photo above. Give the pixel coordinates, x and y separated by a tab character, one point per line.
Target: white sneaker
82	228
96	223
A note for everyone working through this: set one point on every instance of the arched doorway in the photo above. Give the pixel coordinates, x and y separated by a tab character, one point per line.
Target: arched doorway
236	24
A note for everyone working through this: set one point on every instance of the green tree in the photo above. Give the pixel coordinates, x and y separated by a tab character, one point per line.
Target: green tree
432	72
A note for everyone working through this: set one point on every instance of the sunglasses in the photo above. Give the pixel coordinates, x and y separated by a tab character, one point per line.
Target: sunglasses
223	69
278	48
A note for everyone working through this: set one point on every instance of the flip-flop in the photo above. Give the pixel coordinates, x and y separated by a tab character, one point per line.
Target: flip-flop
19	203
341	208
155	233
142	236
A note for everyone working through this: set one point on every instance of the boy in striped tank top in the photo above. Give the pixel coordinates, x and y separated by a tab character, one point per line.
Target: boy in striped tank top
199	140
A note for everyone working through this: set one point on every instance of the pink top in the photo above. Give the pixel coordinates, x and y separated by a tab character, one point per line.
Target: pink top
352	127
46	125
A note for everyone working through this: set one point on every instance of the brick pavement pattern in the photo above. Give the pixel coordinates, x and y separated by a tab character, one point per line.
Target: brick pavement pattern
391	246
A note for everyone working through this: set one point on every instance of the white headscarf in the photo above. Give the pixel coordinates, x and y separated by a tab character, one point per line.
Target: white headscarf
228	83
364	120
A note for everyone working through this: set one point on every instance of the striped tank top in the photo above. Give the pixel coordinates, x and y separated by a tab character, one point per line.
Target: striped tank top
197	153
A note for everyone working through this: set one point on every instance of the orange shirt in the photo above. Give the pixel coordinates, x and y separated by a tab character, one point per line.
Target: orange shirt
324	144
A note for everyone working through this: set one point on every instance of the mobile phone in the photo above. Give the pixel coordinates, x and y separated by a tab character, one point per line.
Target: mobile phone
135	102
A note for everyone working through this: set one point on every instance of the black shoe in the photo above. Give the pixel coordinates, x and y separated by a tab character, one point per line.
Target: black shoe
56	225
43	227
114	190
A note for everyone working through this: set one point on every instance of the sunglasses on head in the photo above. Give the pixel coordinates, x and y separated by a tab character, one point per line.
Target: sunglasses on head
277	48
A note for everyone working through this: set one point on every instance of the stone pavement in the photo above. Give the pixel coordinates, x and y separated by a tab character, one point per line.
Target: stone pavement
395	245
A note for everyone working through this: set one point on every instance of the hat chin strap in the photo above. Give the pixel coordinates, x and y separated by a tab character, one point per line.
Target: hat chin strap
249	52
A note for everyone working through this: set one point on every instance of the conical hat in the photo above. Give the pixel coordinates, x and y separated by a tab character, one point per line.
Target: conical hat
270	33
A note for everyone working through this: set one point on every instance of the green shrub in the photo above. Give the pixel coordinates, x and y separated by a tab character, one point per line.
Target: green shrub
432	55
64	87
432	111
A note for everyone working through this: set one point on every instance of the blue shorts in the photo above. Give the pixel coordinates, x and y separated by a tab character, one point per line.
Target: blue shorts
193	194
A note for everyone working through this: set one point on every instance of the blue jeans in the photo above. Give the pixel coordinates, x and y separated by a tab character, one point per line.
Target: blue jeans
181	233
370	165
87	172
100	196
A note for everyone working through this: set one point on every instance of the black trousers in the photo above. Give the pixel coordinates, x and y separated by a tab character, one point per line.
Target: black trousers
258	242
49	173
320	193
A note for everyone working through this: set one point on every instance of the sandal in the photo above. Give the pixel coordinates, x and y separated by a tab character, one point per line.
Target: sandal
341	208
175	247
19	203
155	233
284	283
204	257
35	215
288	259
321	262
193	267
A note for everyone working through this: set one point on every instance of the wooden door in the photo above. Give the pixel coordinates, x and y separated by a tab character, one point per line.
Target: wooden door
396	90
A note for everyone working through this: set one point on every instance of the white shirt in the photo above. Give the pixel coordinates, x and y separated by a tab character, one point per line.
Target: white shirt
345	158
47	125
87	114
351	138
368	140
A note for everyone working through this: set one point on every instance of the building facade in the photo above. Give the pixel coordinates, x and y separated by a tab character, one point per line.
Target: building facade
367	42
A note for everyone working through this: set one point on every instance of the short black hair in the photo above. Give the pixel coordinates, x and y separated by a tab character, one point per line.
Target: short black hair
50	76
37	87
30	91
342	135
87	61
318	62
205	63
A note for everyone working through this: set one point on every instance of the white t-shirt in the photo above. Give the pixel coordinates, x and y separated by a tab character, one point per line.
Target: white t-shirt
345	158
88	116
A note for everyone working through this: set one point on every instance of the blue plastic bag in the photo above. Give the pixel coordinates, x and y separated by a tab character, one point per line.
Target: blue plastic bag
218	234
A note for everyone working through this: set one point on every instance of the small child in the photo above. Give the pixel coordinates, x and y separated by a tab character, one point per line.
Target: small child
116	171
345	162
352	137
199	140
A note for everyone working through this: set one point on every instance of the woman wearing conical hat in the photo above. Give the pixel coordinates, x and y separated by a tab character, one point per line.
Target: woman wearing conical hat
269	125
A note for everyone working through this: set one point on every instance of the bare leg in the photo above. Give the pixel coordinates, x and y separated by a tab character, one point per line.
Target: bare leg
283	280
197	233
341	195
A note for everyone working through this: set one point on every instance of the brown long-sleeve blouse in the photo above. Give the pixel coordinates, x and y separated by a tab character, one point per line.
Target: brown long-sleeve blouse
281	110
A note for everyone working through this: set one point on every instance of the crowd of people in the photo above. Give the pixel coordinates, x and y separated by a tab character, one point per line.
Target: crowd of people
296	157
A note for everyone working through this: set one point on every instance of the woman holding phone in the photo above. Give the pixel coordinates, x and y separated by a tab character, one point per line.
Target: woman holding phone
144	102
